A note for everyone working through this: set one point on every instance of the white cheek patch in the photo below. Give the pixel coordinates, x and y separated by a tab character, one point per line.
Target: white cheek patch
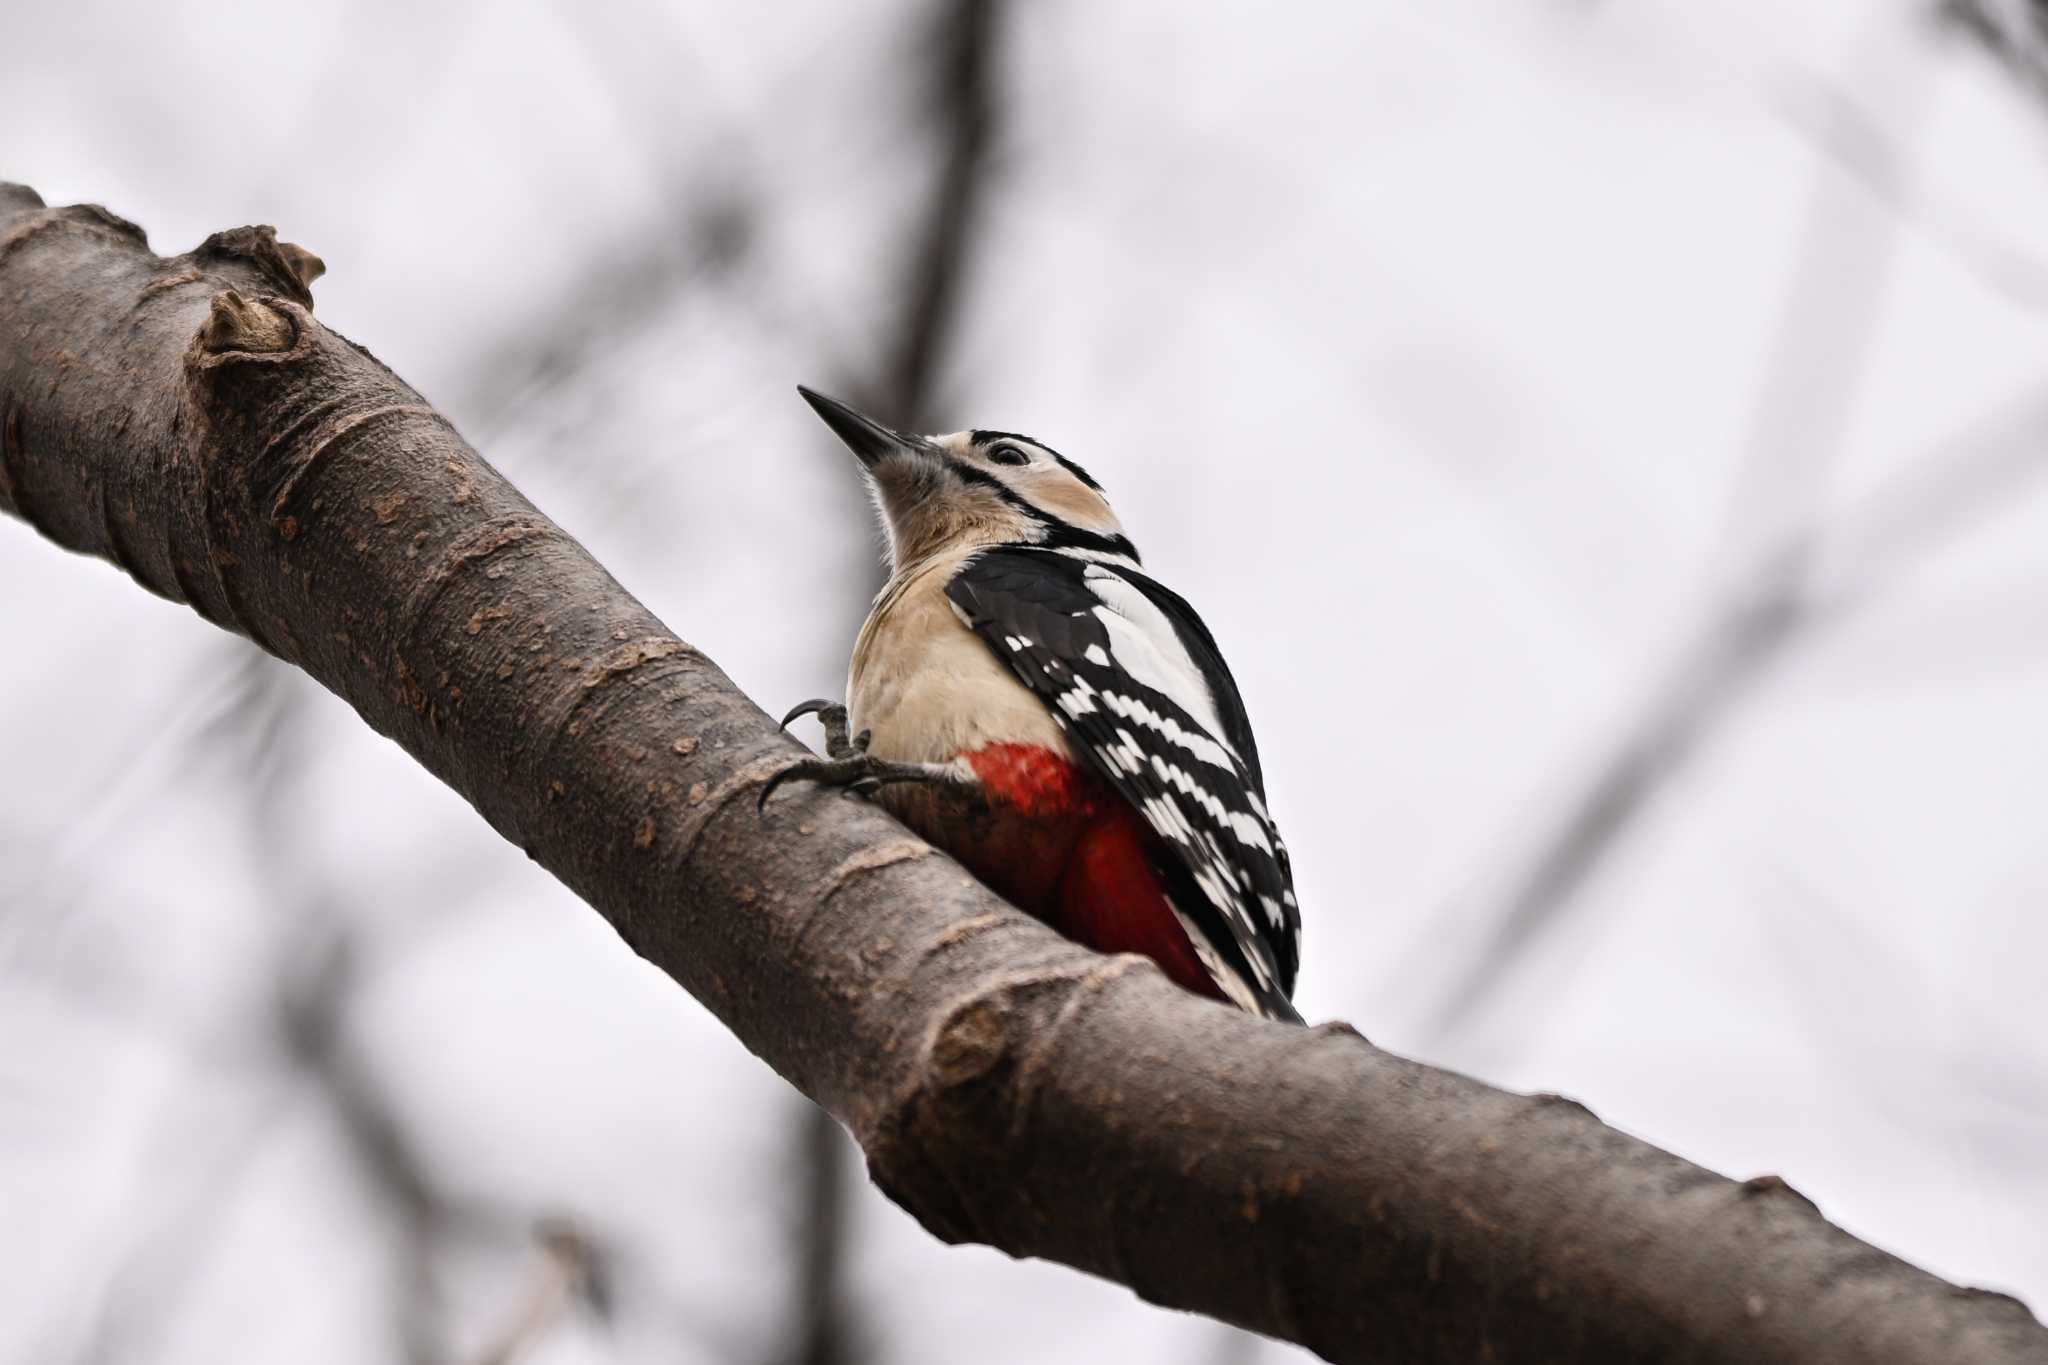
1053	490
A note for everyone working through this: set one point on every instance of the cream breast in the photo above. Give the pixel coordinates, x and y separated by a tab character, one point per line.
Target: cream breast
925	685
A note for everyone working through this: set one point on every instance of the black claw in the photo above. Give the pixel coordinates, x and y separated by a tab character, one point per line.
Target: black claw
848	765
768	787
831	715
815	706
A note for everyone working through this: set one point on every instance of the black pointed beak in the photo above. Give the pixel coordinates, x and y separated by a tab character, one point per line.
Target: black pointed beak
868	439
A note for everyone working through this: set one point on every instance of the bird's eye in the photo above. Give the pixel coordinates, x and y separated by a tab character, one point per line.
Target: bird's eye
1009	455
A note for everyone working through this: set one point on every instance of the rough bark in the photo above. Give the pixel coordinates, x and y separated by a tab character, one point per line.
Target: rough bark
188	419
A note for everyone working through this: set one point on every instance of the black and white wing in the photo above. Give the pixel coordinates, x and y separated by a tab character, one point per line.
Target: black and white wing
1134	678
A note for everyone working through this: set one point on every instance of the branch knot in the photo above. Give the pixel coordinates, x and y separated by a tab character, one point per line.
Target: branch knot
236	324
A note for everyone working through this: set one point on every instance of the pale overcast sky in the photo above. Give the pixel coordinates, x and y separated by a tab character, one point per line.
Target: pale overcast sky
1458	362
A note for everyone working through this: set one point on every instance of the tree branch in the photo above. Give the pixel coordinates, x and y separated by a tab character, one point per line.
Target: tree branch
188	419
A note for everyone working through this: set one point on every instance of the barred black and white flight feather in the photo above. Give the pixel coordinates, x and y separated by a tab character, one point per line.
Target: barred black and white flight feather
1134	678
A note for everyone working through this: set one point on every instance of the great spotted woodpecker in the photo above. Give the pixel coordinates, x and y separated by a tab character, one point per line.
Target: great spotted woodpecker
1025	697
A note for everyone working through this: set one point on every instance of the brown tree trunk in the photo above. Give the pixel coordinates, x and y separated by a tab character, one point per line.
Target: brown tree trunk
188	419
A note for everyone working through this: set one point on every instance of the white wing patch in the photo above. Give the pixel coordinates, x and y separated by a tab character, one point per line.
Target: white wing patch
1204	747
1147	647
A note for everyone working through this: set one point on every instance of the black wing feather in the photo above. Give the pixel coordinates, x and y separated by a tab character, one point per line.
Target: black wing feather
1036	612
1201	647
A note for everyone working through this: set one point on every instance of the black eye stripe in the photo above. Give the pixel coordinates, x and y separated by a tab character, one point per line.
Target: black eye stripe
981	436
1056	534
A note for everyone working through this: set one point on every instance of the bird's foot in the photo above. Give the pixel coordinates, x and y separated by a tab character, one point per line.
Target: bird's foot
832	716
848	764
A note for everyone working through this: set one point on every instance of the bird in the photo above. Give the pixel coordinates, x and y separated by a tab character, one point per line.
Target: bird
1024	696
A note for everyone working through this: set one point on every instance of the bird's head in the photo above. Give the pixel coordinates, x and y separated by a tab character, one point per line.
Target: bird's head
973	488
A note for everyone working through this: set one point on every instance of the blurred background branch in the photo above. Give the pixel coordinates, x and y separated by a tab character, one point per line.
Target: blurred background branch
959	60
1767	764
2015	32
1817	362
